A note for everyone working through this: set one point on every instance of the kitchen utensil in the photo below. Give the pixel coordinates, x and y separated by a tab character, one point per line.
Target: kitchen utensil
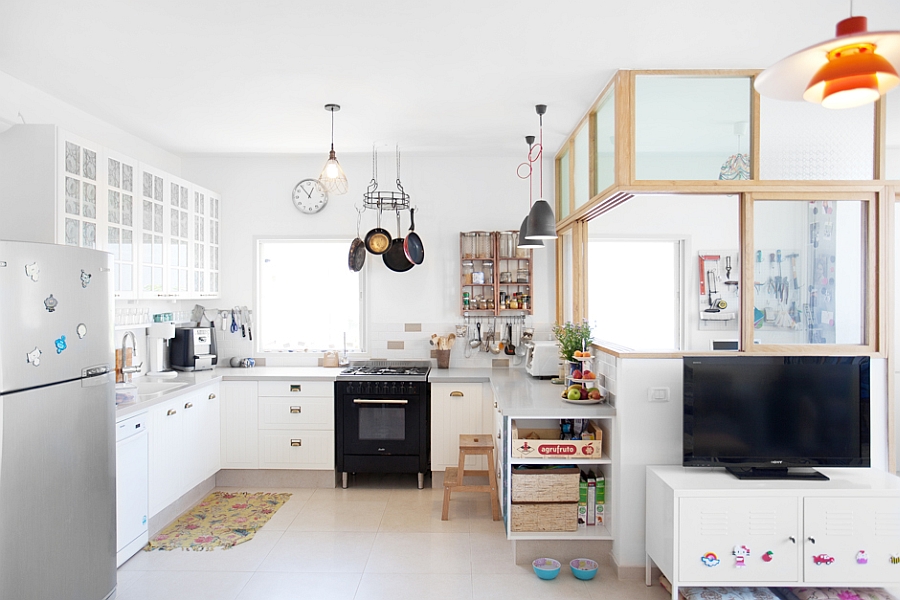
510	349
378	240
357	257
710	284
412	244
522	349
477	341
451	339
395	258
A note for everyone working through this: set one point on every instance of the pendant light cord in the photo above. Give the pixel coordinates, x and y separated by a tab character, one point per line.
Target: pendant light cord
332	131
539	156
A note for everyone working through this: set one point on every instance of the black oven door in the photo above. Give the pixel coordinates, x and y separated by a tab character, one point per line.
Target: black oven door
377	424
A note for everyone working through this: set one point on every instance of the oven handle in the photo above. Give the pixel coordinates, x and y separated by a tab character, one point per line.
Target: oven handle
360	401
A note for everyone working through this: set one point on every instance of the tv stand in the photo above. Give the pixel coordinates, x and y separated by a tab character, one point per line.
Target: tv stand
775	473
706	528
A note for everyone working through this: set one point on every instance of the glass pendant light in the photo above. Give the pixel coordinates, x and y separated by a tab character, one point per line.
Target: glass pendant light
541	222
524	241
332	177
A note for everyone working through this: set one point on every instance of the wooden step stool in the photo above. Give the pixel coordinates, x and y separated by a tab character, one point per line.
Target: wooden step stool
472	445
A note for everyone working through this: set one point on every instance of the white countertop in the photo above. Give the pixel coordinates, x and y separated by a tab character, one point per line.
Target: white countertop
517	393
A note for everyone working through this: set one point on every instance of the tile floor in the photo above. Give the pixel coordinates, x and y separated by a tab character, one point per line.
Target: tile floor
381	538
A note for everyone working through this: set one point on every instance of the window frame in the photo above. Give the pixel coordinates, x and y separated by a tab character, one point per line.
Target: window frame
259	317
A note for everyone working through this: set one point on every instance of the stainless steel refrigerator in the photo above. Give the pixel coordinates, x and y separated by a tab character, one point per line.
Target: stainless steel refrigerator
57	421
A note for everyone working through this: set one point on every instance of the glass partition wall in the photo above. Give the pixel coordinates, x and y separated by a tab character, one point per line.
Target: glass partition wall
758	220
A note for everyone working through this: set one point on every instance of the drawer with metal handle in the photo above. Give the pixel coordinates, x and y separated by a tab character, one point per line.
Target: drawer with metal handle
284	413
296	449
296	388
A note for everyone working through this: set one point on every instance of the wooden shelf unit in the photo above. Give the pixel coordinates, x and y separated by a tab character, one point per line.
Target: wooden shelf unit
495	256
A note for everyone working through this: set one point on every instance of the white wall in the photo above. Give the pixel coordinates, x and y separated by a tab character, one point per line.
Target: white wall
705	223
451	193
37	107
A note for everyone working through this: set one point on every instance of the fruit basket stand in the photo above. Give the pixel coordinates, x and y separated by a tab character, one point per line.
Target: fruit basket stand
580	374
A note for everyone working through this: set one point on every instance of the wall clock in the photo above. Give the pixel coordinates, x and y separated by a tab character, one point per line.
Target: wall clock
309	196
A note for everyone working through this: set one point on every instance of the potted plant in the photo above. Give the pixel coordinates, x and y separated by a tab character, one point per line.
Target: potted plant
572	337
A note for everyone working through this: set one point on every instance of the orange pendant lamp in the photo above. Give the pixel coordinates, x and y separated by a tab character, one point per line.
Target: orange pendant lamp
854	68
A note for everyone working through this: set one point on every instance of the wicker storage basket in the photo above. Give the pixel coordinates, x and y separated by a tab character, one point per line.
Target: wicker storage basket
554	516
545	485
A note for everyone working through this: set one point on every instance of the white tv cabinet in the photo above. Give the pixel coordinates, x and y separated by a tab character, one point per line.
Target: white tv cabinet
797	533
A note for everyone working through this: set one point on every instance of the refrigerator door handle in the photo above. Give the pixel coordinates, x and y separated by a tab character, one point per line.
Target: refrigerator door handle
102	379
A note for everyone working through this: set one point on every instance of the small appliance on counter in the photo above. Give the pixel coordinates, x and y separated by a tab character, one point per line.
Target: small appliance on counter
193	349
543	359
158	336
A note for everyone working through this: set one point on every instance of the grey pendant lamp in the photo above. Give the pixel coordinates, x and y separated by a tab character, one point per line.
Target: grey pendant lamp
541	222
524	241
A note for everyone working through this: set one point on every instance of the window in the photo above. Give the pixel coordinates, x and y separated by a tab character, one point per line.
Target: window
634	292
309	300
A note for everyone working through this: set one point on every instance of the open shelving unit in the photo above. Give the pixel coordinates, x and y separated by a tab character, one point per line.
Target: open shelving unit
504	271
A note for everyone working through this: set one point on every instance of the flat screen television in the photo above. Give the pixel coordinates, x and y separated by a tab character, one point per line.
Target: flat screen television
766	417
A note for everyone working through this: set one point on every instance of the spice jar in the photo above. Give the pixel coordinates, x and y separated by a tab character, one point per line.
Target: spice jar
468	267
488	268
505	277
507	246
468	244
522	276
465	299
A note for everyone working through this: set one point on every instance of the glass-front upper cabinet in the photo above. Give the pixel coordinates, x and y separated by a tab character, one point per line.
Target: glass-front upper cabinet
810	275
563	195
123	227
83	205
581	176
691	127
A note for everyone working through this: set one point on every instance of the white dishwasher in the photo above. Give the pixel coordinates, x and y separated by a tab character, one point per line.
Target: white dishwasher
132	492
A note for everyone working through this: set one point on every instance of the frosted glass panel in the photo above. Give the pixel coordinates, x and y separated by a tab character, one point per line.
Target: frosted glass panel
568	276
582	170
809	272
604	143
800	140
892	137
563	172
687	128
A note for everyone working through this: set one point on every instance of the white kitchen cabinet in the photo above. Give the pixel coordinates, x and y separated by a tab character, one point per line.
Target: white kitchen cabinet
54	185
296	425
456	408
239	425
179	239
154	232
205	242
123	227
706	527
183	444
167	455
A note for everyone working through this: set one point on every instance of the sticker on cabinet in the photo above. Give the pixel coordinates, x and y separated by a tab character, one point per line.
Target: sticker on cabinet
862	557
741	553
710	559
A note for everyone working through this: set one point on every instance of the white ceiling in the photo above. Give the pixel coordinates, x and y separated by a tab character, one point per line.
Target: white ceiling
231	76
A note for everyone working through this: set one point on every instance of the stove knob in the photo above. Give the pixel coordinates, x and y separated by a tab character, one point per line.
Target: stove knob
394	389
402	388
413	388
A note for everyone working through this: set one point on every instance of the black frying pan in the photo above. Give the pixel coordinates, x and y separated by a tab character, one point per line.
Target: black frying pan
378	240
412	244
395	259
357	257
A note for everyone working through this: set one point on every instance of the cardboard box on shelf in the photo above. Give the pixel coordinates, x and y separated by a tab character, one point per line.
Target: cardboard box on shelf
591	498
545	443
582	502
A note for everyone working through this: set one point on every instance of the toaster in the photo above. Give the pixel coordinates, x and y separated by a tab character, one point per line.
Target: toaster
543	359
193	349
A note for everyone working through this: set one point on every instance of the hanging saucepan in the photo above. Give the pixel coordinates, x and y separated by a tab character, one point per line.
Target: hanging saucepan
395	259
378	240
357	257
412	244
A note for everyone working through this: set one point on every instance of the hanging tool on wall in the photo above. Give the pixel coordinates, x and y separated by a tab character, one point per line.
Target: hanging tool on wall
757	278
770	286
794	257
710	290
705	272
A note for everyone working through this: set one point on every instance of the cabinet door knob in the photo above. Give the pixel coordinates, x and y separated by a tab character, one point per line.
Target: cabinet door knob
171	412
189	405
296	443
812	540
295	410
495	405
456	394
212	396
793	539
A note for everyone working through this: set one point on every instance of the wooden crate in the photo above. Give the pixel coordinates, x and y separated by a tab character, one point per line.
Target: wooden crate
551	516
545	443
545	485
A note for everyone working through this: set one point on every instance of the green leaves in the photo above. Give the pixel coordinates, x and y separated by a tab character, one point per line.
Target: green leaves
572	337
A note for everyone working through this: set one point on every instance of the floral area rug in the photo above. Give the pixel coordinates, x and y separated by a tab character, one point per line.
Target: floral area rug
222	519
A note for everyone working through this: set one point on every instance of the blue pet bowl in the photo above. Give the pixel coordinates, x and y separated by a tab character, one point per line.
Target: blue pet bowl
583	568
546	568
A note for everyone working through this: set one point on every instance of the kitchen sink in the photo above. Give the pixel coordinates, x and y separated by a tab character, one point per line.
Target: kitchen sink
147	390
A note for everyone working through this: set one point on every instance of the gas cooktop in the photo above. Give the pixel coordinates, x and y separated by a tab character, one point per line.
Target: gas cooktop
383	370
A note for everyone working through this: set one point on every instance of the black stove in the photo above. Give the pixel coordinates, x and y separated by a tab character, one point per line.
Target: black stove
383	418
386	371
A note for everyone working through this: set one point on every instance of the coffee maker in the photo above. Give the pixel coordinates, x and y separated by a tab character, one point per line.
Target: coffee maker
193	349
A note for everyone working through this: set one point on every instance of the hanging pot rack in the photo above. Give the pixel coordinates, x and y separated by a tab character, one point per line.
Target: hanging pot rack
381	200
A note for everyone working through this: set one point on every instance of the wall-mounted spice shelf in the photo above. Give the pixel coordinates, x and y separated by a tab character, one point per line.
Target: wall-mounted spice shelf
495	276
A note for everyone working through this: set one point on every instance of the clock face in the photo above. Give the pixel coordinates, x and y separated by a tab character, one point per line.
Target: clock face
309	196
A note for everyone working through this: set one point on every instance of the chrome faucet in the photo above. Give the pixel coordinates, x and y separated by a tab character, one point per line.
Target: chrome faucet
127	371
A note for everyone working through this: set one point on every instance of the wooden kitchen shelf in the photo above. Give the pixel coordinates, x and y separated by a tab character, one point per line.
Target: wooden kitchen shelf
506	271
